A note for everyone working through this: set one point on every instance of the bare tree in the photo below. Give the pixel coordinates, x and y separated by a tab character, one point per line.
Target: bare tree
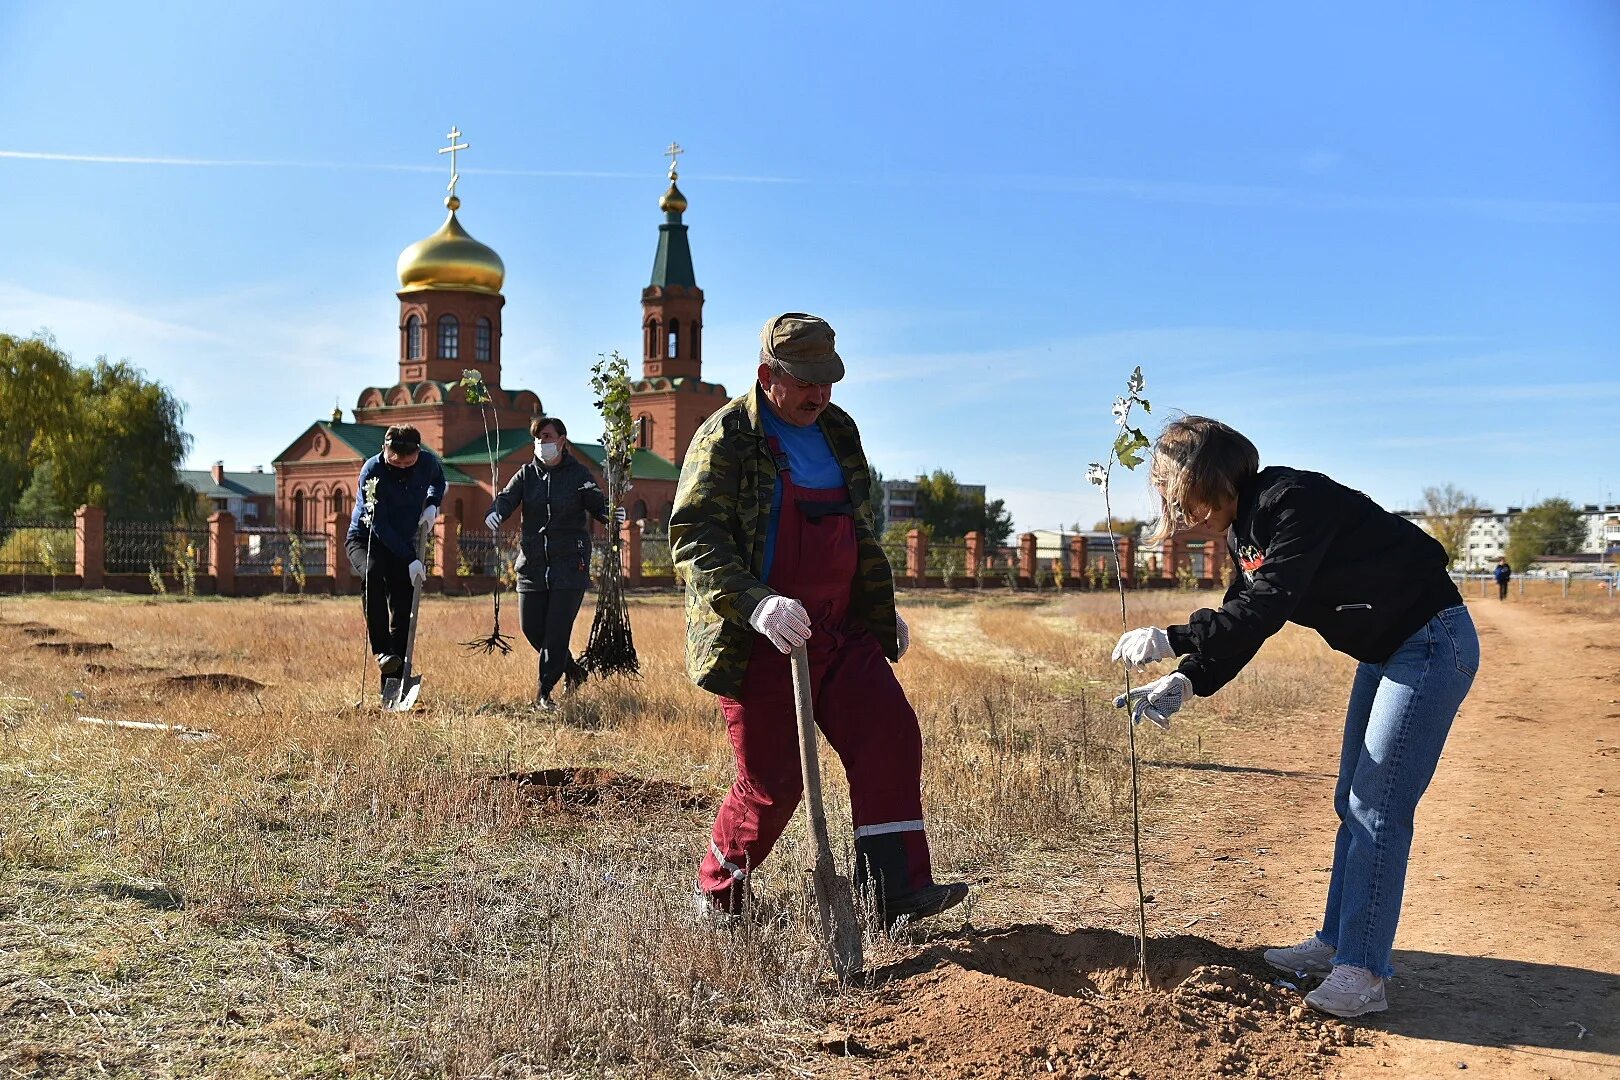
1449	511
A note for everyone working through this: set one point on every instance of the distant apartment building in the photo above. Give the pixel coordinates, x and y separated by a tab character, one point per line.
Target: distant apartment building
1487	536
900	498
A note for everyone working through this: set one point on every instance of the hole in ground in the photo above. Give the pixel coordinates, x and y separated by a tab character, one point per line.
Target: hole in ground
575	788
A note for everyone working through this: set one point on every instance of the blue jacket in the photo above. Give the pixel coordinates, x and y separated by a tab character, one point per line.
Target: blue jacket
401	496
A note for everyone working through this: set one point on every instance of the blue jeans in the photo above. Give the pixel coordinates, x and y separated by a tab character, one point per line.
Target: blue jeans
1399	715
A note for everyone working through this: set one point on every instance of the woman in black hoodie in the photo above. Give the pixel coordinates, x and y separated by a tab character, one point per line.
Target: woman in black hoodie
1311	551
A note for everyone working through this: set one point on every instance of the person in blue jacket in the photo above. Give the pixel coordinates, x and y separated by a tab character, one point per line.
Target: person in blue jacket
382	538
1503	574
1310	551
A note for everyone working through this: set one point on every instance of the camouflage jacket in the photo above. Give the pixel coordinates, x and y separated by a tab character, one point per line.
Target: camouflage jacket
717	539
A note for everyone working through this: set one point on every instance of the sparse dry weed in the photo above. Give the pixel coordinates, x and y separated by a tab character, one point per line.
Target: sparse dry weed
325	890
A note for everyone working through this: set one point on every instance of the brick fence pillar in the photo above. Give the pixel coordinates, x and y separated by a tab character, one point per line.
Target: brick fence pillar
1127	560
916	555
222	551
975	554
337	554
630	551
449	545
1077	561
90	546
1026	557
1174	552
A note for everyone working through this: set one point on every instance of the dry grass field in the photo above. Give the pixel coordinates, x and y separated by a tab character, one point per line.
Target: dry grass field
325	890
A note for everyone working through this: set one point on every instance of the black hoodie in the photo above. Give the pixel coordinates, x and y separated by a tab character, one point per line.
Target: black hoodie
1314	552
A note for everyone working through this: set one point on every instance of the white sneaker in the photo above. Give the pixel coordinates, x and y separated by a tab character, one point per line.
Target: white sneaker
1313	956
1348	991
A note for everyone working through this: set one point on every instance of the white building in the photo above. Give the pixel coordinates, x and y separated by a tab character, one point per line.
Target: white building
899	498
1487	536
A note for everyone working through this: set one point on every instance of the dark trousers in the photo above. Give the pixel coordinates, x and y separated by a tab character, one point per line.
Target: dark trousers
387	595
548	621
1501	587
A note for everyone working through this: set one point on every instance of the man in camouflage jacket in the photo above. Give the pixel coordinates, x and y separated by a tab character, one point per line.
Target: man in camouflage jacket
772	536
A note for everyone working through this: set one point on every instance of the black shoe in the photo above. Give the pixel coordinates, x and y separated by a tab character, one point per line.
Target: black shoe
925	902
389	664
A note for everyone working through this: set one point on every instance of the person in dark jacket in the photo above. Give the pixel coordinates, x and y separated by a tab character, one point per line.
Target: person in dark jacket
381	541
1310	551
557	493
1503	574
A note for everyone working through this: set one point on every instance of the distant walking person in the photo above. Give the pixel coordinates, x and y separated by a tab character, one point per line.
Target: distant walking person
1310	551
382	543
556	493
1504	574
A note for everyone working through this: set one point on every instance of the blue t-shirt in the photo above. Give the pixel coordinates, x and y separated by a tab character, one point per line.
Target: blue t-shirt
811	462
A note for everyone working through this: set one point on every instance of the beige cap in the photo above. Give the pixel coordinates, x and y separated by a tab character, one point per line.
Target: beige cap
803	344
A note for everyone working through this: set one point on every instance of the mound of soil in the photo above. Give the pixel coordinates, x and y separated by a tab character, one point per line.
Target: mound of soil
75	648
1033	1001
212	681
35	631
578	789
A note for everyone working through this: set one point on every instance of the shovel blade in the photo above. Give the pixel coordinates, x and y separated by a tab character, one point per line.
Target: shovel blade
399	695
840	925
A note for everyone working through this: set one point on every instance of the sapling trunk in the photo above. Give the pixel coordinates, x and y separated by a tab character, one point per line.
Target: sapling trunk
478	394
1127	450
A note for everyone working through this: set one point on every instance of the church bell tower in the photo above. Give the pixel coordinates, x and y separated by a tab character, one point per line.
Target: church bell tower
671	399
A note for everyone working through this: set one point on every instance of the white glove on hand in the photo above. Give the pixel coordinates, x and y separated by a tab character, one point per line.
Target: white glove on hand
621	515
904	633
1159	700
430	514
783	620
418	574
493	521
1143	646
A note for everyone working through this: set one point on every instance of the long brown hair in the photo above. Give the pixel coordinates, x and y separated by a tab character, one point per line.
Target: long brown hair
1197	462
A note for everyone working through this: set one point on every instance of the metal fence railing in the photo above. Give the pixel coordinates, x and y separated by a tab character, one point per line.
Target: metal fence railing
483	555
37	547
1593	581
144	547
266	551
948	562
656	560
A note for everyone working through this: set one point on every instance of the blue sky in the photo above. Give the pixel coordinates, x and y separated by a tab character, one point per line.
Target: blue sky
1381	241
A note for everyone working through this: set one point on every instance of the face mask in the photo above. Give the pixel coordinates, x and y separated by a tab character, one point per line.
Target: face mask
548	453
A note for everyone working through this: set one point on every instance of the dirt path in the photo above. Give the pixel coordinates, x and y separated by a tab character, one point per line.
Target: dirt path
1509	945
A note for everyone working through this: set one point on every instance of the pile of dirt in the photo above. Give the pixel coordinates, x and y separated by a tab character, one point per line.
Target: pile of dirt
579	789
36	630
75	648
212	681
1033	1001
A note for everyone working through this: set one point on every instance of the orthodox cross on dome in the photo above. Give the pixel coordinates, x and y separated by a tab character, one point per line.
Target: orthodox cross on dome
455	133
673	152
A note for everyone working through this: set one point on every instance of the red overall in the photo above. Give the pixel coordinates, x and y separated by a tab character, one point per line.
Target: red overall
859	704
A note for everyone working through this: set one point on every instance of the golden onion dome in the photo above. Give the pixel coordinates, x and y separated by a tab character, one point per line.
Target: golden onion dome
672	202
450	259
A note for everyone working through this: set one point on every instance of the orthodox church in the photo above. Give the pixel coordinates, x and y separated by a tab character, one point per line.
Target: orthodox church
450	305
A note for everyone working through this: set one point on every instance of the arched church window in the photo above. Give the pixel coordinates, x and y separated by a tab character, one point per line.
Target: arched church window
639	511
644	432
482	346
652	337
449	337
674	337
413	338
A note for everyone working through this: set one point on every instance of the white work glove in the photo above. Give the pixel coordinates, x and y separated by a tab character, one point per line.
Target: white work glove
493	521
1143	646
430	514
783	620
1159	700
418	574
903	632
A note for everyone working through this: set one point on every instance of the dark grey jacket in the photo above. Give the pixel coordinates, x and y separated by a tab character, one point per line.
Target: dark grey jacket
556	536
